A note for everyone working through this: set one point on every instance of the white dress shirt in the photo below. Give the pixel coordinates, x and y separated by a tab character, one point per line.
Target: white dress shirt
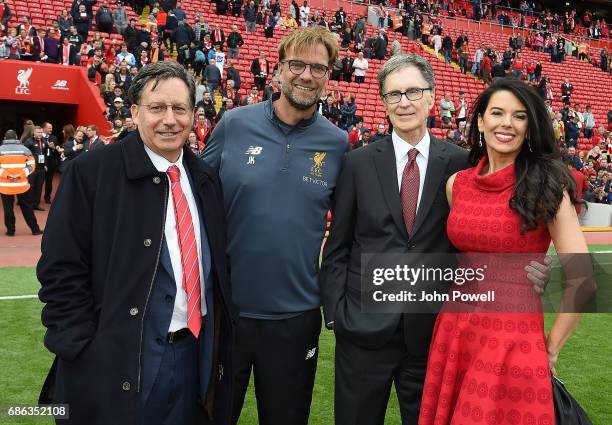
401	148
179	314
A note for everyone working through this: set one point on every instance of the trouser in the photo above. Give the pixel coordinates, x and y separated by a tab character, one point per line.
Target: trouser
447	56
359	78
283	356
105	27
36	180
588	133
233	52
49	174
364	377
174	396
24	202
250	26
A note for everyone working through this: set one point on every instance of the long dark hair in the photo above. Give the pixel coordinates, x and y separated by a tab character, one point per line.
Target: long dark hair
541	176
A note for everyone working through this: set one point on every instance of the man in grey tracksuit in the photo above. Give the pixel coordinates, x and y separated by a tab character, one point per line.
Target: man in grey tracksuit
278	162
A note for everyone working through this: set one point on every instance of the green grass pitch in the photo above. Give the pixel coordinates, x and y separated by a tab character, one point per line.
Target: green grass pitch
24	361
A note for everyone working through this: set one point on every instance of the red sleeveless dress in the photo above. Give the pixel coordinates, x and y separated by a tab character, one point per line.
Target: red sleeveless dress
487	367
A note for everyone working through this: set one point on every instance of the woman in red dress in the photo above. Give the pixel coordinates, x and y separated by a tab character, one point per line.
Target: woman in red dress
484	366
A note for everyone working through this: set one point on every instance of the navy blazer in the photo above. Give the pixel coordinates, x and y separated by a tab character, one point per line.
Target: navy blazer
100	270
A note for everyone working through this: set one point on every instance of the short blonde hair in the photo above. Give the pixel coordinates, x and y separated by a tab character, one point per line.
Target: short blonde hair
307	38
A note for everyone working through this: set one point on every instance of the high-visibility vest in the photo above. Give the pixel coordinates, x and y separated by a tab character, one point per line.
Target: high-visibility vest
16	164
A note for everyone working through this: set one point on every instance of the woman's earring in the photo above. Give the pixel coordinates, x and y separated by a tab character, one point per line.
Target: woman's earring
480	142
528	145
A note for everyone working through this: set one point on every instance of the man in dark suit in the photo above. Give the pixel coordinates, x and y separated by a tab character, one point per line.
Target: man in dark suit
402	210
67	53
52	159
374	350
218	36
134	275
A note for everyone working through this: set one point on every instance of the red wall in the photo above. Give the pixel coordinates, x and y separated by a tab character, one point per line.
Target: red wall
54	84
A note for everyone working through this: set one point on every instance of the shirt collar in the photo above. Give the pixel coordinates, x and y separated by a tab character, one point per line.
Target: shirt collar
162	164
402	147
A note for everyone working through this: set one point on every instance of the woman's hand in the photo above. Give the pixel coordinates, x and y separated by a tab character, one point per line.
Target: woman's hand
552	361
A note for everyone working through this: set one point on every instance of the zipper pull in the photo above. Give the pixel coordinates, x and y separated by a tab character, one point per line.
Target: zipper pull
220	372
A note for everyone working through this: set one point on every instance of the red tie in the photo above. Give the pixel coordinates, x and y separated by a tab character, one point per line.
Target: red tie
409	192
189	252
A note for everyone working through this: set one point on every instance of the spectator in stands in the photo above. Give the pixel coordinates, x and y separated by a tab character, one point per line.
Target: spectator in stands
477	60
603	61
331	111
463	54
380	133
131	36
233	74
234	42
128	127
269	24
183	36
118	110
347	67
365	139
82	21
76	39
156	54
253	96
179	12
200	29
447	48
222	6
93	140
212	75
304	14
396	47
217	36
447	110
566	91
65	21
518	66
289	22
250	16
380	46
260	68
236	7
67	53
572	131
125	56
360	65
589	122
347	113
462	109
356	132
104	18
51	47
120	18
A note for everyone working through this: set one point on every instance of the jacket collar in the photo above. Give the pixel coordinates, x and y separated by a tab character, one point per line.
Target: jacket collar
272	115
138	164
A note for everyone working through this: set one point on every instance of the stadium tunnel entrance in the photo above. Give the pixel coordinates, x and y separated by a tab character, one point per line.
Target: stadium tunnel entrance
48	92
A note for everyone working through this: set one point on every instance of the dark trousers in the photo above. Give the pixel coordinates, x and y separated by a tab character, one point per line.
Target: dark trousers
173	397
25	203
283	356
359	79
36	179
364	377
49	174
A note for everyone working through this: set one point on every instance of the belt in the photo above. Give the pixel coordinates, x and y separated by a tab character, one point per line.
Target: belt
174	337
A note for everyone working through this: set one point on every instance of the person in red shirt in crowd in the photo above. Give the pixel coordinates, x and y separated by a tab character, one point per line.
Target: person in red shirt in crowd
355	134
531	70
487	66
202	130
518	66
581	181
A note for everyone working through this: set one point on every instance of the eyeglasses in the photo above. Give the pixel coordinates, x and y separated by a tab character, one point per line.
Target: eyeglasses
411	94
298	67
161	108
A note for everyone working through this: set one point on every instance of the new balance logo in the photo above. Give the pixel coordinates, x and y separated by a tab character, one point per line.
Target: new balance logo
310	354
252	151
60	85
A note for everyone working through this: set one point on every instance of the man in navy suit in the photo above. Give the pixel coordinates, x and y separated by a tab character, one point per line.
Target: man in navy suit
133	273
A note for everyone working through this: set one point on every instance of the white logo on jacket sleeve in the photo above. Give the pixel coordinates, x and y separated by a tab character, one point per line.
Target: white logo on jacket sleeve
252	152
310	354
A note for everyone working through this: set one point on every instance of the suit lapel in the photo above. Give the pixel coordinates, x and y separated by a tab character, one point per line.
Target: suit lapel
436	167
384	161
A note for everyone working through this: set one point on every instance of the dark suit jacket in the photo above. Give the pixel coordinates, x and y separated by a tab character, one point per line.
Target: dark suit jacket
100	258
367	218
256	67
71	58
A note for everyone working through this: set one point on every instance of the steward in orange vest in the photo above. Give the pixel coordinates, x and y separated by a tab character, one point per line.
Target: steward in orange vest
16	163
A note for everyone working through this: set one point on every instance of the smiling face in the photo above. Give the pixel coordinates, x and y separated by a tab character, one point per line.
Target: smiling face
504	124
164	133
409	117
303	91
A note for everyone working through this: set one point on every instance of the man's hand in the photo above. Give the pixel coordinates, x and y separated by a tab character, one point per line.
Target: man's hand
539	274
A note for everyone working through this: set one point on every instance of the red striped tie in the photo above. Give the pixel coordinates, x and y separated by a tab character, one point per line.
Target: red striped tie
409	192
189	252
